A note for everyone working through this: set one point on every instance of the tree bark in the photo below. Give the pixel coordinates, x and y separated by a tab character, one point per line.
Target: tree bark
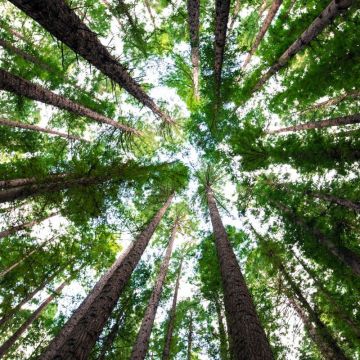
344	120
335	8
17	124
30	224
62	22
142	342
13	183
248	339
264	28
77	339
190	337
222	332
336	200
22	87
237	8
34	316
172	318
193	8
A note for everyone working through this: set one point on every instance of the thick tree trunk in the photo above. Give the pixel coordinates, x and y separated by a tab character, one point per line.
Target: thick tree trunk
62	22
264	28
22	87
193	8
24	226
34	316
344	255
190	337
17	124
13	183
344	120
77	339
335	8
222	333
172	317
248	339
142	342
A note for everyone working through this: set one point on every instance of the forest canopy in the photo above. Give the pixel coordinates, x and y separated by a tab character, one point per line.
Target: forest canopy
180	179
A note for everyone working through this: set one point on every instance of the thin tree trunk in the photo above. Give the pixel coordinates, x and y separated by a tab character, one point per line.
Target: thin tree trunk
22	87
28	225
289	9
141	345
148	8
5	347
77	339
17	124
336	200
222	332
264	28
343	120
335	8
190	337
193	8
172	318
237	8
62	22
344	255
248	339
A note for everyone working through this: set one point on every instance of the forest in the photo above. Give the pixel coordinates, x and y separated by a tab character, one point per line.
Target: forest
179	180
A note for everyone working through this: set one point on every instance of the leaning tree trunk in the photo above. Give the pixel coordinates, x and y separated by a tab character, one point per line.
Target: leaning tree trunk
62	22
190	337
248	339
264	28
172	317
237	8
13	183
27	225
17	124
193	8
336	200
22	87
335	8
142	342
222	333
77	339
34	316
344	120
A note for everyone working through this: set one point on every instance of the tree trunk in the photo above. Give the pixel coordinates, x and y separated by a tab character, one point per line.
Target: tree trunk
34	316
248	339
22	87
335	8
172	317
264	28
24	226
190	337
17	124
222	334
237	9
339	201
63	23
77	339
344	255
193	8
344	120
14	183
148	8
142	342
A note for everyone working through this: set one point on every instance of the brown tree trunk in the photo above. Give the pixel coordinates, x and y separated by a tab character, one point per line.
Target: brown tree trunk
77	339
237	9
62	22
336	200
248	339
172	317
193	8
264	28
13	183
222	333
17	124
190	337
22	87
142	342
24	226
5	347
344	120
335	8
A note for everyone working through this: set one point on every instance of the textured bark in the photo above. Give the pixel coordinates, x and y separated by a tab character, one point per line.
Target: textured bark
34	316
264	28
344	255
222	332
22	87
76	340
324	340
336	200
222	8
344	120
142	342
190	337
334	9
62	22
17	124
172	318
193	8
248	339
27	225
